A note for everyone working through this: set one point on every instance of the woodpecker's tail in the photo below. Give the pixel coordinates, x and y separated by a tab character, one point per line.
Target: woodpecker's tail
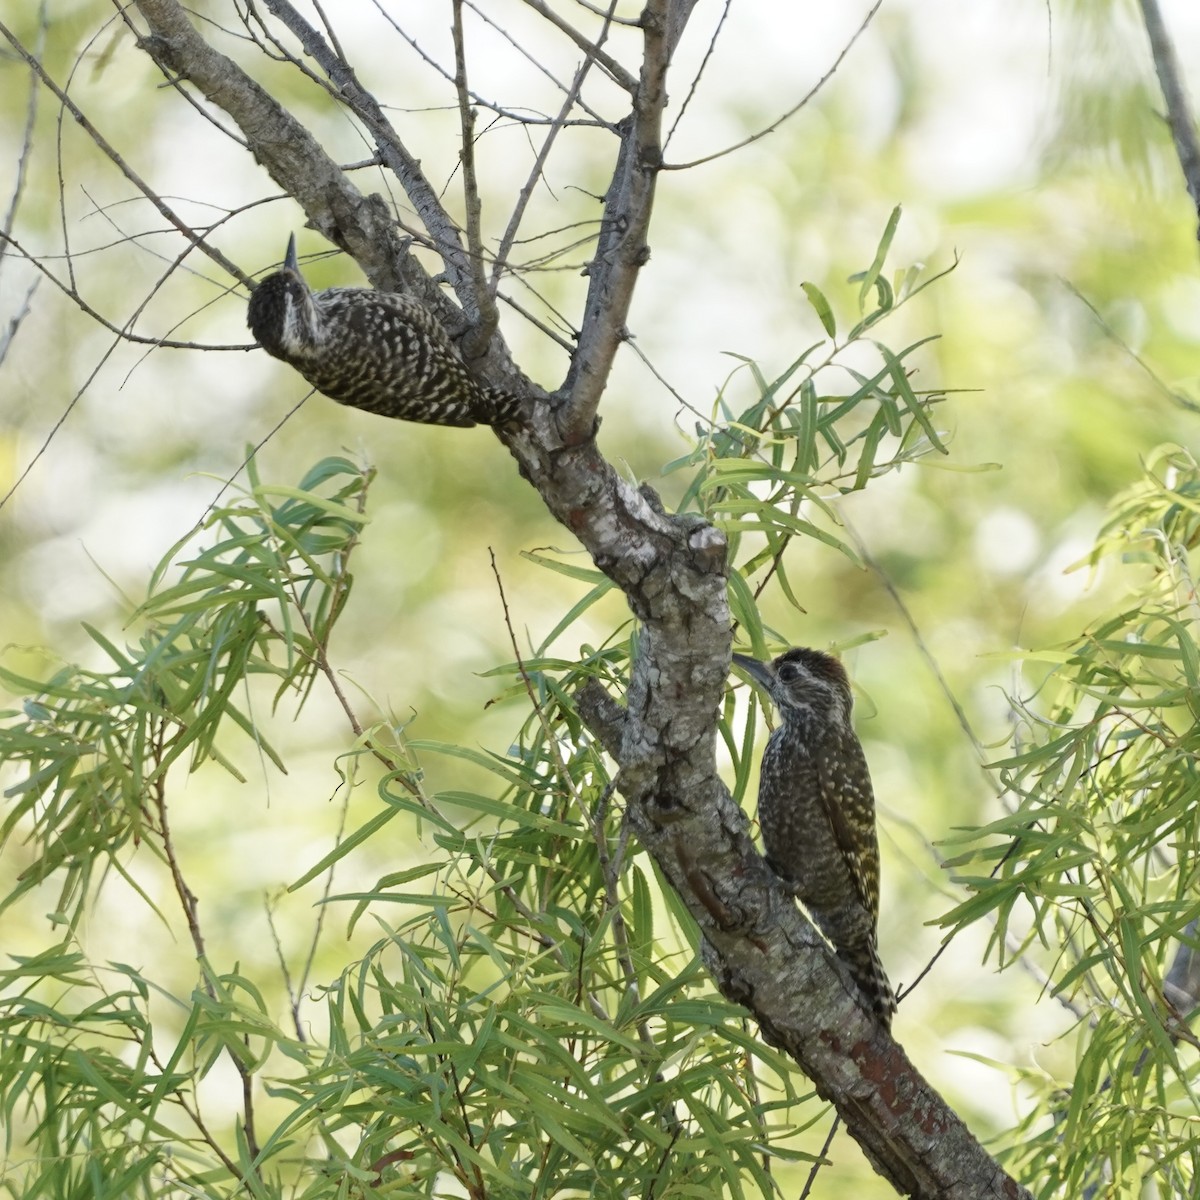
872	980
495	406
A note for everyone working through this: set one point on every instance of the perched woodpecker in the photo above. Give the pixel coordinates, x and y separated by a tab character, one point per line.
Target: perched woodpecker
378	351
816	810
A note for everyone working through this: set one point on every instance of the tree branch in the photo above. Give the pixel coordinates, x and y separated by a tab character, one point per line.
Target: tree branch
622	248
764	954
557	125
291	155
1179	116
104	145
360	225
591	50
476	341
441	227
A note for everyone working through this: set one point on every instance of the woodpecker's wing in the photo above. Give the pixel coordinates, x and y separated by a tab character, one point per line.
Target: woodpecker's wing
849	801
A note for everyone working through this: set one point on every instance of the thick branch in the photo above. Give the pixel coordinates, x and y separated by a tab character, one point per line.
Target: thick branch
761	950
103	144
292	157
622	248
764	954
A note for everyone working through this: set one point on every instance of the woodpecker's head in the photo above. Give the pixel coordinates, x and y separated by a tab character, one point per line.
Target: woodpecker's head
282	315
803	684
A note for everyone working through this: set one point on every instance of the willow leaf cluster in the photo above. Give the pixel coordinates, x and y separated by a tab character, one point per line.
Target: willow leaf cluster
1093	868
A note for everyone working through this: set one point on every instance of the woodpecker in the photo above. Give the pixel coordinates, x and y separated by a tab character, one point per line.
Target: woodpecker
816	810
378	351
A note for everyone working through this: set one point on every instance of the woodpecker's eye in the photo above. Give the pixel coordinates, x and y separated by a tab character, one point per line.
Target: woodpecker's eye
788	673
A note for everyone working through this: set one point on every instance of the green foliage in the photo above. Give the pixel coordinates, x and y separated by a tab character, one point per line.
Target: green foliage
768	474
96	745
1097	857
518	1027
534	1017
115	1080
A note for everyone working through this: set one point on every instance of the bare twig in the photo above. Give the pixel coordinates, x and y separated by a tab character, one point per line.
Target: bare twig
694	85
1179	115
122	335
254	449
103	144
190	905
791	112
14	322
539	165
476	341
600	12
595	120
333	38
26	143
591	49
1170	393
346	88
822	1158
122	331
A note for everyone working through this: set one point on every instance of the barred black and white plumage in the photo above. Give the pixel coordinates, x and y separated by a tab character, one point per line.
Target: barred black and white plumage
816	810
378	351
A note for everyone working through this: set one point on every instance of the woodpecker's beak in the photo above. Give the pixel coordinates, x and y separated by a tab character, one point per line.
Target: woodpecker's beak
759	672
290	261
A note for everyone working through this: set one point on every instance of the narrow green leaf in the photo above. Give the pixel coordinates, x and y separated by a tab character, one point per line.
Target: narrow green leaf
348	844
745	611
881	253
821	307
332	508
583	574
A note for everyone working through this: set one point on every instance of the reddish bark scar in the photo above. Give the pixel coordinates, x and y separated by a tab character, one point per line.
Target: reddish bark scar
892	1076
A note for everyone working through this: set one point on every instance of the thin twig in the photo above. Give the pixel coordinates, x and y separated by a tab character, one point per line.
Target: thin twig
14	322
791	112
1109	331
591	49
476	342
520	118
595	819
103	144
346	88
822	1158
535	174
27	138
632	22
190	904
71	291
287	416
694	86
